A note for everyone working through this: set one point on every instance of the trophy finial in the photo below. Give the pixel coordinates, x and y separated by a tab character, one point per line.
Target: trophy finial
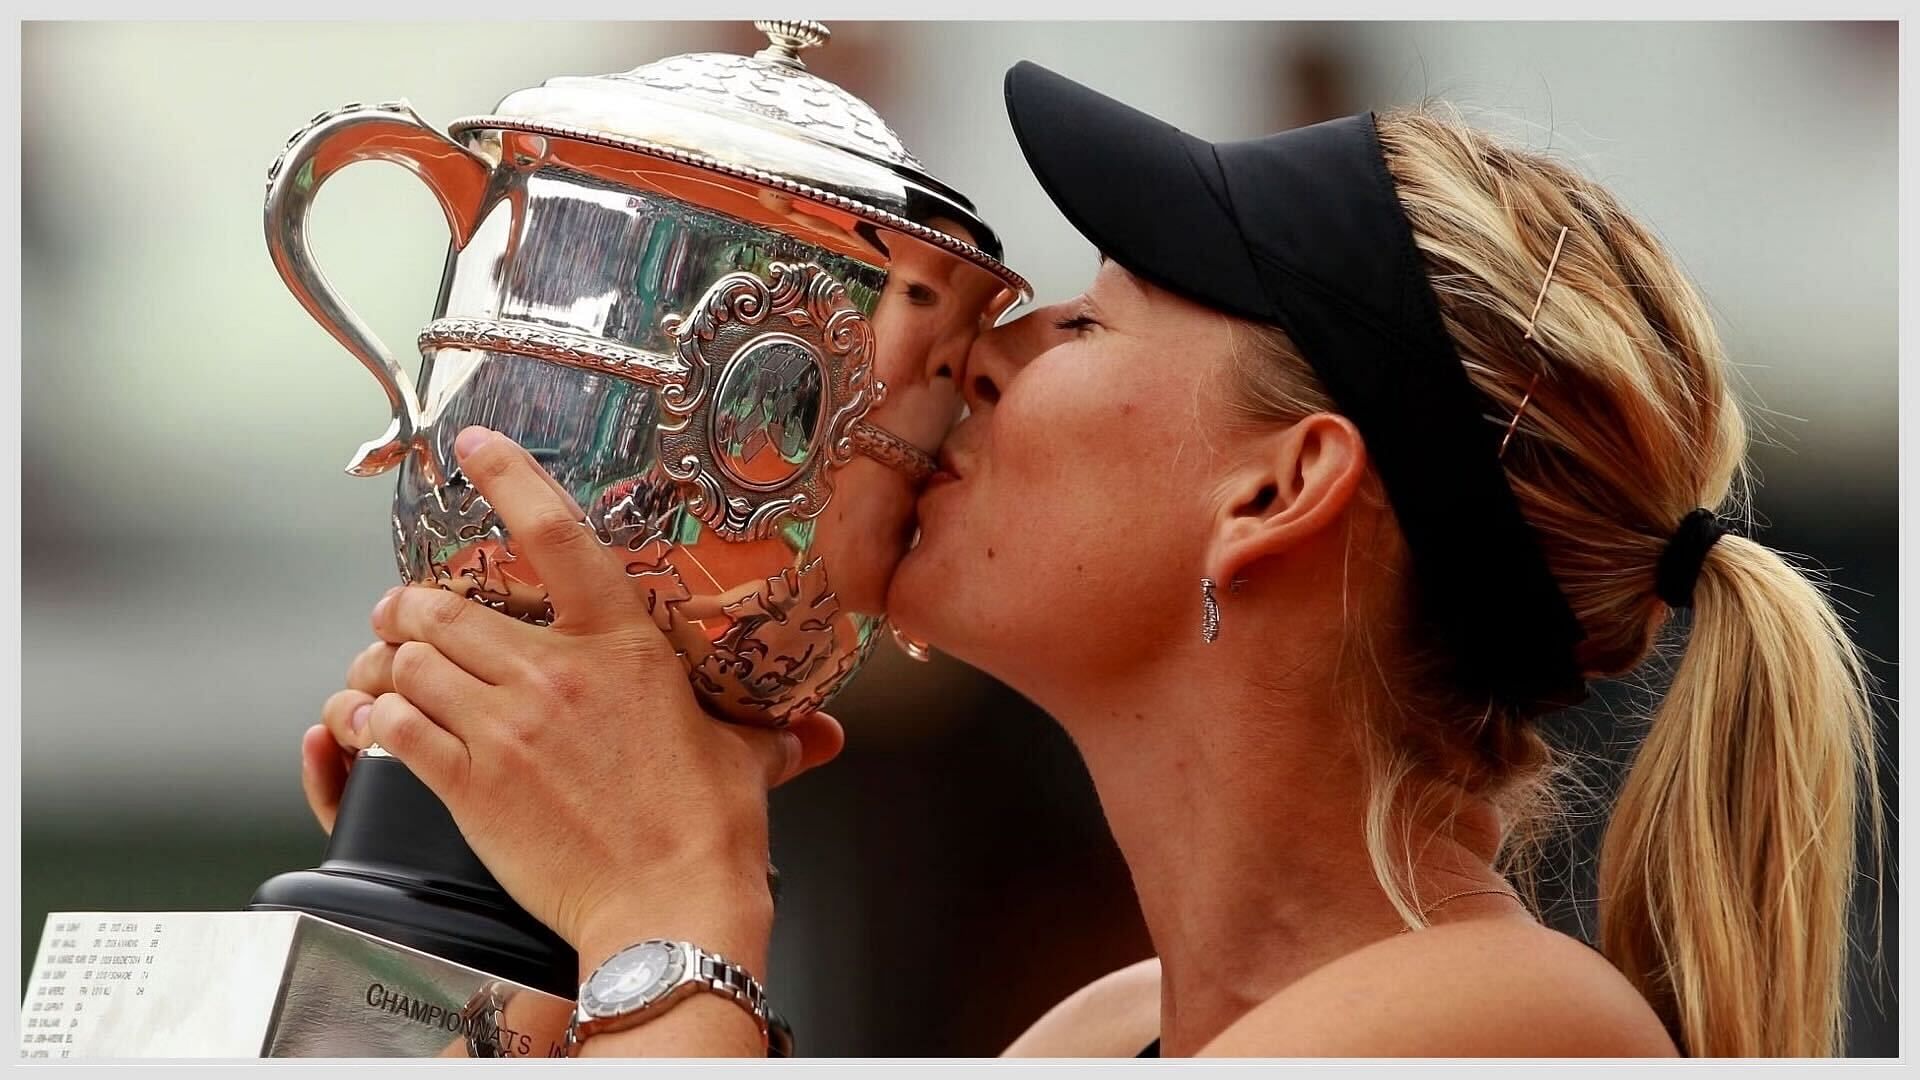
786	37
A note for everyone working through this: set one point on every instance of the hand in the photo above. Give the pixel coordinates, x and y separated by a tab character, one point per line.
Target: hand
574	758
328	749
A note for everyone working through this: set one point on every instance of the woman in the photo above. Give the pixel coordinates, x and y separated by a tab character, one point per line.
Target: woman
1370	443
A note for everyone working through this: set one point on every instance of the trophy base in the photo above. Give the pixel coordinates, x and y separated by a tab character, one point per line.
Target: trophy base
245	984
399	944
397	868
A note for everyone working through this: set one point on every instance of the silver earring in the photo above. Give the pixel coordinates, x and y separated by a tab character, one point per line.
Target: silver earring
1209	611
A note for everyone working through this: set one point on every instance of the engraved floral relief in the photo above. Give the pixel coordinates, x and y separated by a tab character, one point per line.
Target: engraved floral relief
519	338
777	656
778	93
767	650
764	651
626	526
463	547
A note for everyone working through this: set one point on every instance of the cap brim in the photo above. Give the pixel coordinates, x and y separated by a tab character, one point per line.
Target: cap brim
1148	195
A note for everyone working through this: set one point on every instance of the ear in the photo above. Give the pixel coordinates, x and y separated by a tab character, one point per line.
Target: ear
1292	487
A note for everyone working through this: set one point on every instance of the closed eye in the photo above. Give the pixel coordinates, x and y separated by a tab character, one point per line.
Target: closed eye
1075	323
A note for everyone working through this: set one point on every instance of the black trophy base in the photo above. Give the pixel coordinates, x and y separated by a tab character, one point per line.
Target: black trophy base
398	868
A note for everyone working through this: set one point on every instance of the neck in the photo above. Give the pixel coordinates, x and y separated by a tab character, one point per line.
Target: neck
1240	810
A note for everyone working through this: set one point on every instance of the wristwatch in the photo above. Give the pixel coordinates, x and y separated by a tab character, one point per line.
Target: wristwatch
644	980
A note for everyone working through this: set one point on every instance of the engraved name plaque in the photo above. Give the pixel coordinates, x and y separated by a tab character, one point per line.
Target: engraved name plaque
265	984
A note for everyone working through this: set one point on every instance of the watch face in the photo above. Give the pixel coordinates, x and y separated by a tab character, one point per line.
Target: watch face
632	977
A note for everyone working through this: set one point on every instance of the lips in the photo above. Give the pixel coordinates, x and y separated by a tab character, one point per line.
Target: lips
948	471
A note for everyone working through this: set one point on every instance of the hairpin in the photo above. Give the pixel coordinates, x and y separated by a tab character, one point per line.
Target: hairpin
1514	424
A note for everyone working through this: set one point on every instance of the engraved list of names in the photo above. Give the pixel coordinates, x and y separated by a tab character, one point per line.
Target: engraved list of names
86	964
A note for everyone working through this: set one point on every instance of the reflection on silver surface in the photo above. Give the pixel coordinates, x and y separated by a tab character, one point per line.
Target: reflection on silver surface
767	412
762	118
721	304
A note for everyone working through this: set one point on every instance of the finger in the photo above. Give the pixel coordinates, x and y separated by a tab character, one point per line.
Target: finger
582	579
562	493
437	686
345	719
429	751
371	672
777	749
806	743
488	644
323	775
821	740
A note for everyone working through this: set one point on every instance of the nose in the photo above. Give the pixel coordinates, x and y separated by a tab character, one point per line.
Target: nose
998	354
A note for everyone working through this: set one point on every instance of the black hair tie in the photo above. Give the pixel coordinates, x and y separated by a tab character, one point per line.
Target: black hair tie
1685	553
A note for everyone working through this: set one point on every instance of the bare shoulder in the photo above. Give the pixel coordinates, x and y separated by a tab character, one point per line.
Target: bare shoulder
1116	1015
1480	988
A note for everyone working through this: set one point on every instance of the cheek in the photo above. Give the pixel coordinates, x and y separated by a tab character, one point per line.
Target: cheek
1099	466
1072	514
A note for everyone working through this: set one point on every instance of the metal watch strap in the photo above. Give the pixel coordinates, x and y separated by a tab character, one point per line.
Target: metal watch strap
712	972
733	981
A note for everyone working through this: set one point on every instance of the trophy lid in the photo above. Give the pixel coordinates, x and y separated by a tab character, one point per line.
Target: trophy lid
764	116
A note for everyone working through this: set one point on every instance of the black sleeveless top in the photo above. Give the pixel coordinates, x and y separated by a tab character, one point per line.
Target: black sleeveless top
1152	1050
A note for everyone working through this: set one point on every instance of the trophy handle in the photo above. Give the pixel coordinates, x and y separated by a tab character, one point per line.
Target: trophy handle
390	131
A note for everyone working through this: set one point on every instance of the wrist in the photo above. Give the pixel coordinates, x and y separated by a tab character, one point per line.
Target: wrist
691	1003
730	915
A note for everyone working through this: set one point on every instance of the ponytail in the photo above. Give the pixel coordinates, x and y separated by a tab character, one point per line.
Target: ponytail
1727	869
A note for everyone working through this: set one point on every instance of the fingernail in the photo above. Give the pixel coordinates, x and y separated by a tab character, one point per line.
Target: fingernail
385	602
358	722
795	752
470	439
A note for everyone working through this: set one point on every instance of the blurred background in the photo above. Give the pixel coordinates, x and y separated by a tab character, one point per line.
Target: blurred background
198	570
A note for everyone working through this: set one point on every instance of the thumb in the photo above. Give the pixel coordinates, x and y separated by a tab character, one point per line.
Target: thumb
806	743
323	774
821	740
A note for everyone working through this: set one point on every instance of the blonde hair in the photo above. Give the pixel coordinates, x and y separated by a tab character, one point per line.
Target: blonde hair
1728	862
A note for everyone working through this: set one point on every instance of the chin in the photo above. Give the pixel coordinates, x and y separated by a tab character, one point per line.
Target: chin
940	605
928	599
907	599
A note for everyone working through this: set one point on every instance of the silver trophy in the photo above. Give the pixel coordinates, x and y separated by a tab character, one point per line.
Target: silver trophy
724	306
